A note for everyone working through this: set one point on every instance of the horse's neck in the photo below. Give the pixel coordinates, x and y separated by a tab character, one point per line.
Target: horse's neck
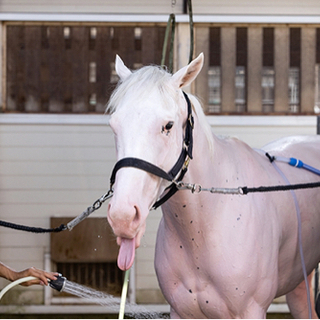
224	164
211	161
210	167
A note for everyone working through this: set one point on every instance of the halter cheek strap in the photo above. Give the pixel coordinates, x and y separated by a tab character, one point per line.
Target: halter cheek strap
180	166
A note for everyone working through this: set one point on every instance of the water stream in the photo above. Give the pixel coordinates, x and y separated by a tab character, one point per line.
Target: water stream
132	310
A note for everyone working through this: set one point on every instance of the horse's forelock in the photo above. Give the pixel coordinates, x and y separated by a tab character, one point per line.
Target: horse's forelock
140	84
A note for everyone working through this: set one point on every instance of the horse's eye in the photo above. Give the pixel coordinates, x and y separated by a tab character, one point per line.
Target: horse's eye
169	125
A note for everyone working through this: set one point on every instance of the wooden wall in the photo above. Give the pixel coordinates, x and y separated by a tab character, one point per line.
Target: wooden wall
70	69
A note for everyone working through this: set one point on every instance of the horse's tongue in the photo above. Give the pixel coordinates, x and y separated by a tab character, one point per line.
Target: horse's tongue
126	253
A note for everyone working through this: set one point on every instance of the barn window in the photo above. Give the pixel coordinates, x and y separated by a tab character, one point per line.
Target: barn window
317	73
294	70
241	69
267	70
214	71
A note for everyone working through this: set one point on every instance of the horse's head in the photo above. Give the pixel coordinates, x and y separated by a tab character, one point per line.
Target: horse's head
148	117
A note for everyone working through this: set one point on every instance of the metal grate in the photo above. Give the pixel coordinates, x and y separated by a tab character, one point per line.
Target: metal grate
104	276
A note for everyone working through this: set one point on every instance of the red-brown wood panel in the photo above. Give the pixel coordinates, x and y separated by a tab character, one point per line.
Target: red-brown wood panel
80	67
67	68
56	66
104	58
32	68
15	68
148	45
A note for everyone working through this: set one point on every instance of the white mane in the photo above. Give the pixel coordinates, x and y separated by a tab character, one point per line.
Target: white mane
202	119
143	82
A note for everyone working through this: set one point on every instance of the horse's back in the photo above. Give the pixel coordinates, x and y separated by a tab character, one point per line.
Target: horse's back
305	148
293	143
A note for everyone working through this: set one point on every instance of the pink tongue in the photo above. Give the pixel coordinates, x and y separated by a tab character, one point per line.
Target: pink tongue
126	253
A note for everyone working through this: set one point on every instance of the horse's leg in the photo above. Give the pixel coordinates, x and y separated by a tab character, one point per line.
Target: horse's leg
173	314
254	311
298	303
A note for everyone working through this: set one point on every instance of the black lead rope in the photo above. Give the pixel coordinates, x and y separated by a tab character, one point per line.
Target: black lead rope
247	190
31	229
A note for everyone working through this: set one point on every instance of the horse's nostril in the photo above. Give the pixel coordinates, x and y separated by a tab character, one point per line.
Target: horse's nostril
137	217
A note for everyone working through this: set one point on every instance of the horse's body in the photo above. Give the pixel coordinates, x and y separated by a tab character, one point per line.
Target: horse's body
217	256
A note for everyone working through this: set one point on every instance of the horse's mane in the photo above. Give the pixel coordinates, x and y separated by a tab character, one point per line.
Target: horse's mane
197	107
147	79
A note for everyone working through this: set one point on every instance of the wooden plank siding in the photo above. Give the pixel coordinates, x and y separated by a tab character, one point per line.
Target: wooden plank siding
308	62
281	69
256	60
68	68
65	68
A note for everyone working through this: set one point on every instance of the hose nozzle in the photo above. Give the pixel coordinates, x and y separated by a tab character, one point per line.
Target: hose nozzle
59	283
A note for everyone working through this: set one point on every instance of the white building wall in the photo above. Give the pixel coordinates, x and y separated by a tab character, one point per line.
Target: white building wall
203	7
57	165
50	166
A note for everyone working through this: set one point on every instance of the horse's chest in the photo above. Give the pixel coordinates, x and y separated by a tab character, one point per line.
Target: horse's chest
201	272
187	278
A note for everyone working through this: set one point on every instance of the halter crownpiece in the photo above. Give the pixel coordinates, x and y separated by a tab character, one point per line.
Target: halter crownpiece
180	166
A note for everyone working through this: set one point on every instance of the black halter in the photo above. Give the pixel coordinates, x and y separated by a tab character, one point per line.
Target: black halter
180	166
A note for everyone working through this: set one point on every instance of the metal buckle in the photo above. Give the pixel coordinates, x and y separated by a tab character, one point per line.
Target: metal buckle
186	163
191	120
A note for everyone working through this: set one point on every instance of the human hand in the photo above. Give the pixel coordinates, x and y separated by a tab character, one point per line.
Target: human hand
42	276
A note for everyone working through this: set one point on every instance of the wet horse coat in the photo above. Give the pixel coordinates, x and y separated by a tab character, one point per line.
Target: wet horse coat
217	256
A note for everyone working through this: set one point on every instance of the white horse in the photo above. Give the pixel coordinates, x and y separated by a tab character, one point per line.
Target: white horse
217	255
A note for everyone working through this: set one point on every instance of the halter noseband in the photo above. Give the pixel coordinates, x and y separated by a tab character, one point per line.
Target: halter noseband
180	166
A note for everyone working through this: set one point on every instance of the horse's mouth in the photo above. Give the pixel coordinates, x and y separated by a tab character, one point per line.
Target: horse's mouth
126	253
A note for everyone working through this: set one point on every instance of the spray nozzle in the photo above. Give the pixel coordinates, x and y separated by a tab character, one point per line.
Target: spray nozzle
59	283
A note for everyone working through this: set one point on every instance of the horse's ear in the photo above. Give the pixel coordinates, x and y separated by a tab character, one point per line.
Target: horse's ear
187	74
122	71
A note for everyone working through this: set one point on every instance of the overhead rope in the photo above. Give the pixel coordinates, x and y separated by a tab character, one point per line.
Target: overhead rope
171	25
191	31
170	30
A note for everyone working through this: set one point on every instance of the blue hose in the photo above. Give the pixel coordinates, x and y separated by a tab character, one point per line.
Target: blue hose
298	212
298	164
